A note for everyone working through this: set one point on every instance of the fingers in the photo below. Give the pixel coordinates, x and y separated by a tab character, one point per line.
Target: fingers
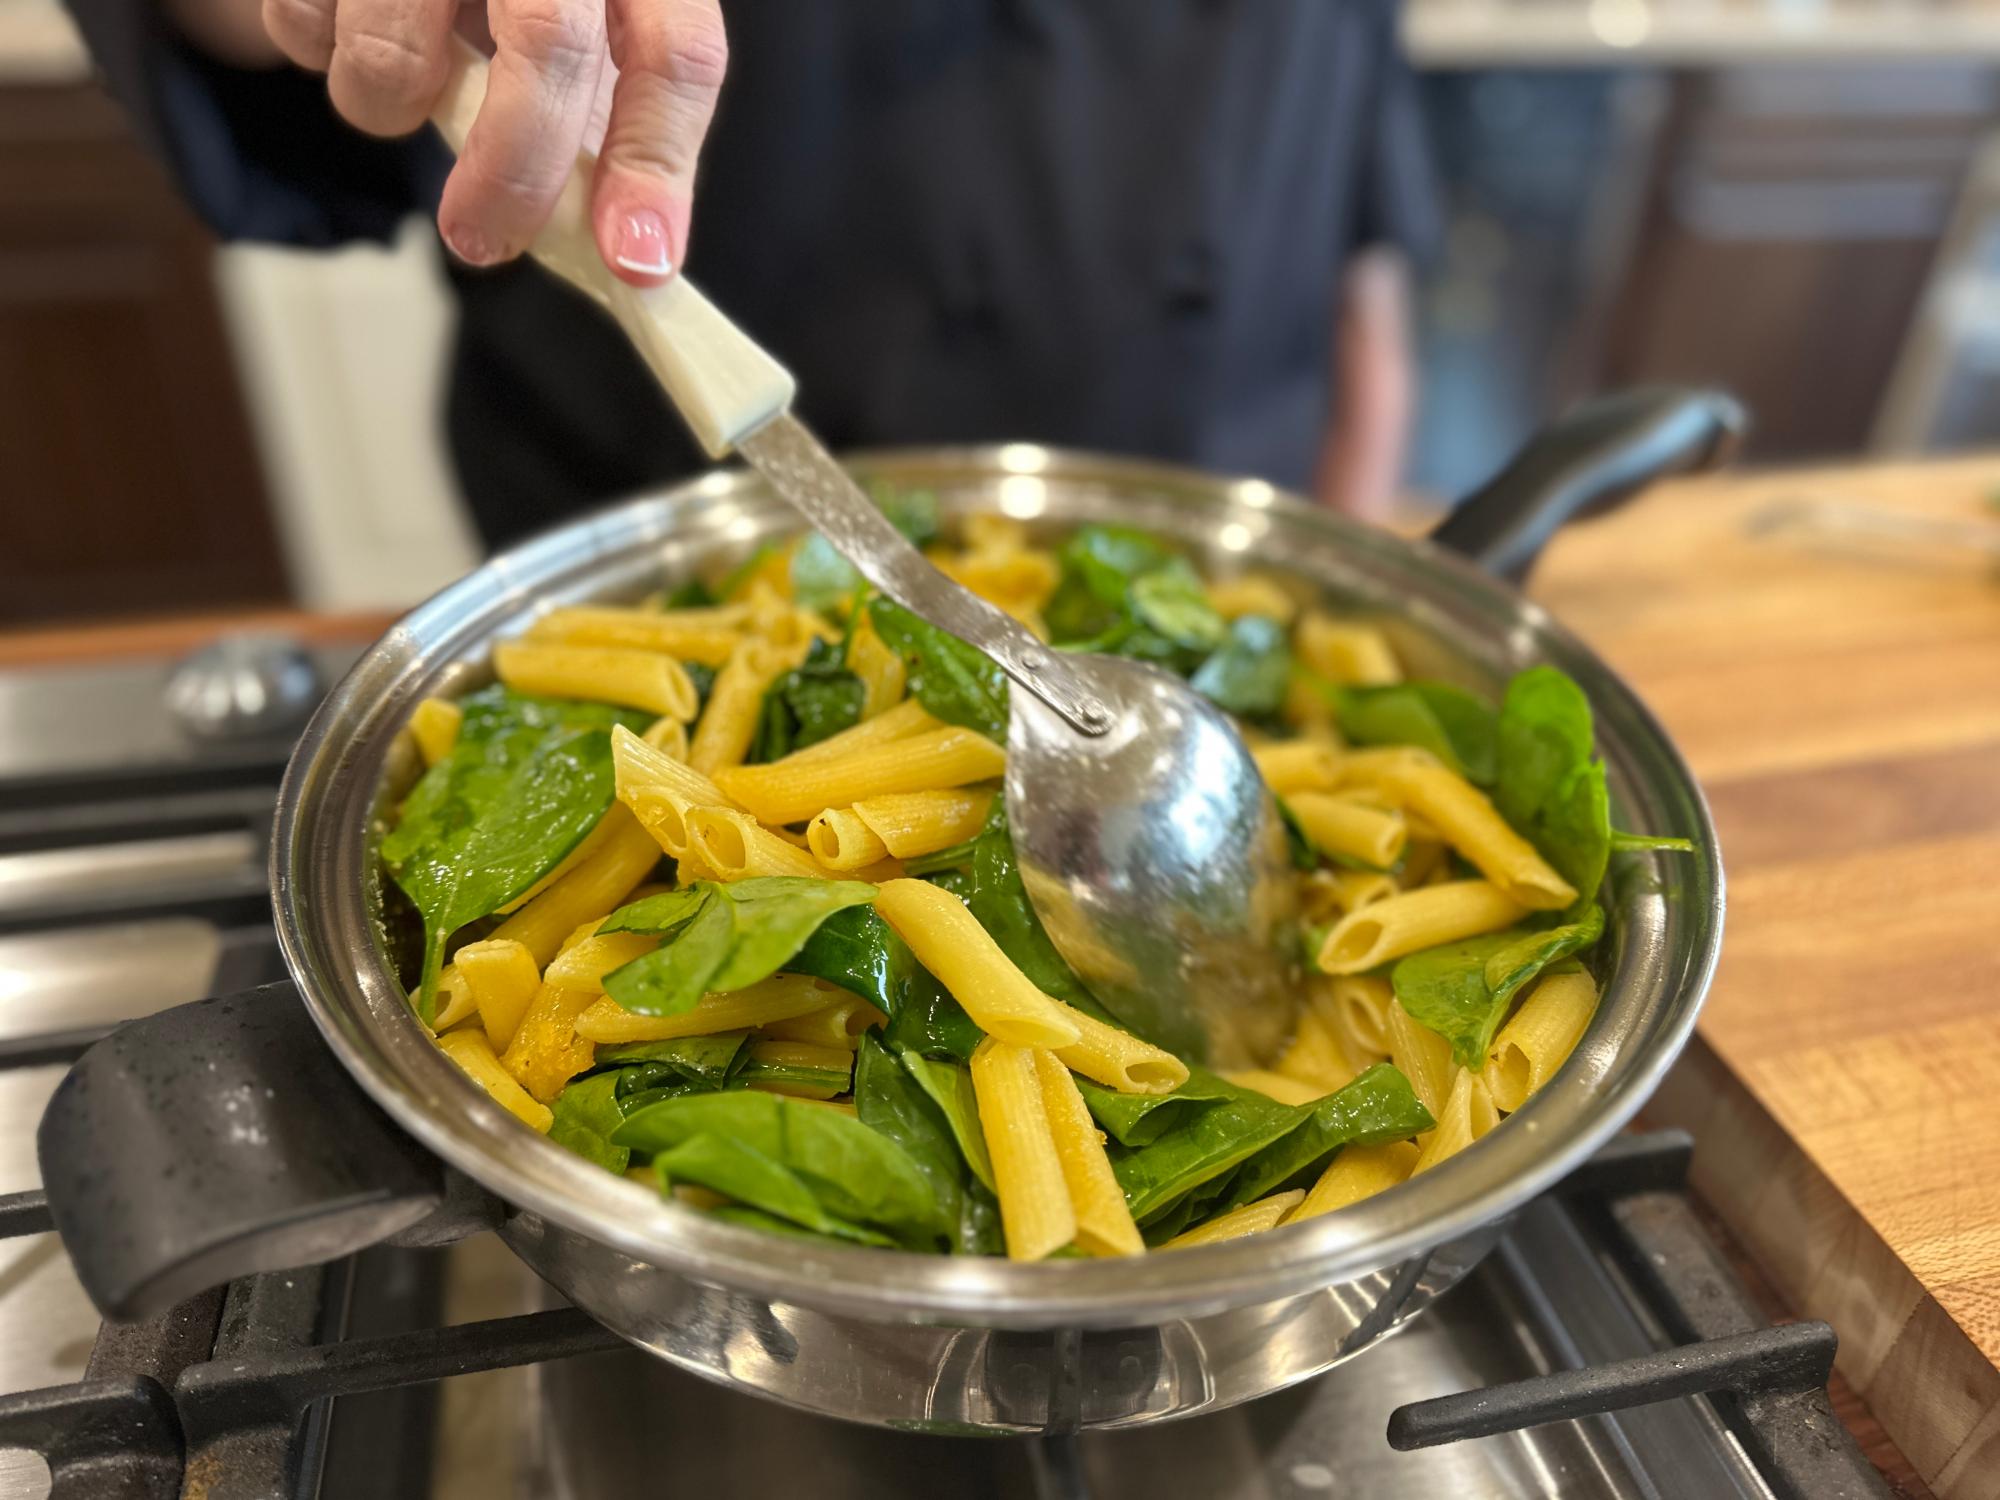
303	31
524	142
671	55
390	61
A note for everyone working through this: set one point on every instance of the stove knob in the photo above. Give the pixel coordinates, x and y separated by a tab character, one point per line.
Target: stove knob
244	687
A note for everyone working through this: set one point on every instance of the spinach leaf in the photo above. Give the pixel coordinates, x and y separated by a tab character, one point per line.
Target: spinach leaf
1305	854
1547	784
822	578
736	1170
702	675
1171	602
1624	843
1377	1107
855	1172
758	1070
693	594
757	1219
887	1099
1141	1119
1099	565
664	913
1202	1146
526	781
998	898
587	1114
948	1085
1248	676
858	951
979	1229
735	935
1462	990
953	682
813	701
1459	728
705	1060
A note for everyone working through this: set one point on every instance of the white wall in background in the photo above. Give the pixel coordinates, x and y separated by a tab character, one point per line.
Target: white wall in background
342	358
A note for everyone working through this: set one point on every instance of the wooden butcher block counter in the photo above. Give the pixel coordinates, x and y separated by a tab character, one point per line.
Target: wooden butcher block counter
1840	702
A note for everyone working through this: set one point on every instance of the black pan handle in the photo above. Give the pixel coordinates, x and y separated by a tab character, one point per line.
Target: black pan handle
221	1139
1602	452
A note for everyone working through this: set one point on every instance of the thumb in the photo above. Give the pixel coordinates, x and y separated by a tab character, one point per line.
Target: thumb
670	55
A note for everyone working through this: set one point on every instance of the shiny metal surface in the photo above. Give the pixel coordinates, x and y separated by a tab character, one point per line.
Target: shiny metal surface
106	875
1150	848
758	1311
1155	859
244	686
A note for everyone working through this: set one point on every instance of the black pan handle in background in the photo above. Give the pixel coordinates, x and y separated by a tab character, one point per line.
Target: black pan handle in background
223	1138
1596	455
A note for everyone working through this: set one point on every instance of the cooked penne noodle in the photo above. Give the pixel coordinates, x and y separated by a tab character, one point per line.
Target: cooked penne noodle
882	673
1309	710
1315	1056
728	723
1018	582
839	1024
1117	1059
1251	1218
895	723
502	976
454	1002
660	790
1296	766
737	847
1346	825
1035	1211
1279	1086
601	674
986	531
546	1052
1344	652
785	1054
790	791
1252	594
669	736
1423	859
906	825
1467	1115
583	965
841	841
1354	889
1413	920
948	940
1468	821
1538	1039
434	724
1103	1221
704	635
774	999
1359	1009
626	856
474	1056
1420	1055
590	843
1357	1172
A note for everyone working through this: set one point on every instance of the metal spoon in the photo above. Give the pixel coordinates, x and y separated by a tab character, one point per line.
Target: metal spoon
1150	848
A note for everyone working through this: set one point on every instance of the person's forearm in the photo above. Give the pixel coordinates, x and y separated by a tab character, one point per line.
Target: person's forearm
1375	387
230	31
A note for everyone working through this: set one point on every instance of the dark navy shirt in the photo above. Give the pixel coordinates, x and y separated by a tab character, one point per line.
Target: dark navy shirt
1115	224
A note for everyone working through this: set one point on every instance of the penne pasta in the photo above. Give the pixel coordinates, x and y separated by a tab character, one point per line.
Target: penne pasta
1315	1056
546	1052
838	1024
1359	1010
660	790
1467	820
1467	1115
1018	582
791	790
728	723
1309	710
669	736
948	940
1117	1059
703	635
434	724
906	825
1357	1172
502	977
1538	1039
1354	889
897	723
1279	1086
1413	920
582	965
737	847
1103	1221
775	999
625	858
1344	652
599	674
1345	825
1252	594
806	1055
1295	766
839	840
1035	1211
1420	1055
454	1000
474	1056
1251	1218
882	672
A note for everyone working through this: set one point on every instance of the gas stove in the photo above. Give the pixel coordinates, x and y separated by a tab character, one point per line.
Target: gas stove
1606	1349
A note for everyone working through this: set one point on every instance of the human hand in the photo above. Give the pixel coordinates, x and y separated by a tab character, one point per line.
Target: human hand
634	80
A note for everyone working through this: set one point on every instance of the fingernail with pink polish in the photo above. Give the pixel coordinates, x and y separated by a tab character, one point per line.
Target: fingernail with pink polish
642	243
471	245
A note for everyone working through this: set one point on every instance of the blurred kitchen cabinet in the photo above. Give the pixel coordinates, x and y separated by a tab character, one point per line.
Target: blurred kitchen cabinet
1788	230
128	475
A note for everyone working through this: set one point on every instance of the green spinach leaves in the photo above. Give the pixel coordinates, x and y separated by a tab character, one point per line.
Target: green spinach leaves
1549	784
1462	990
953	682
1457	727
